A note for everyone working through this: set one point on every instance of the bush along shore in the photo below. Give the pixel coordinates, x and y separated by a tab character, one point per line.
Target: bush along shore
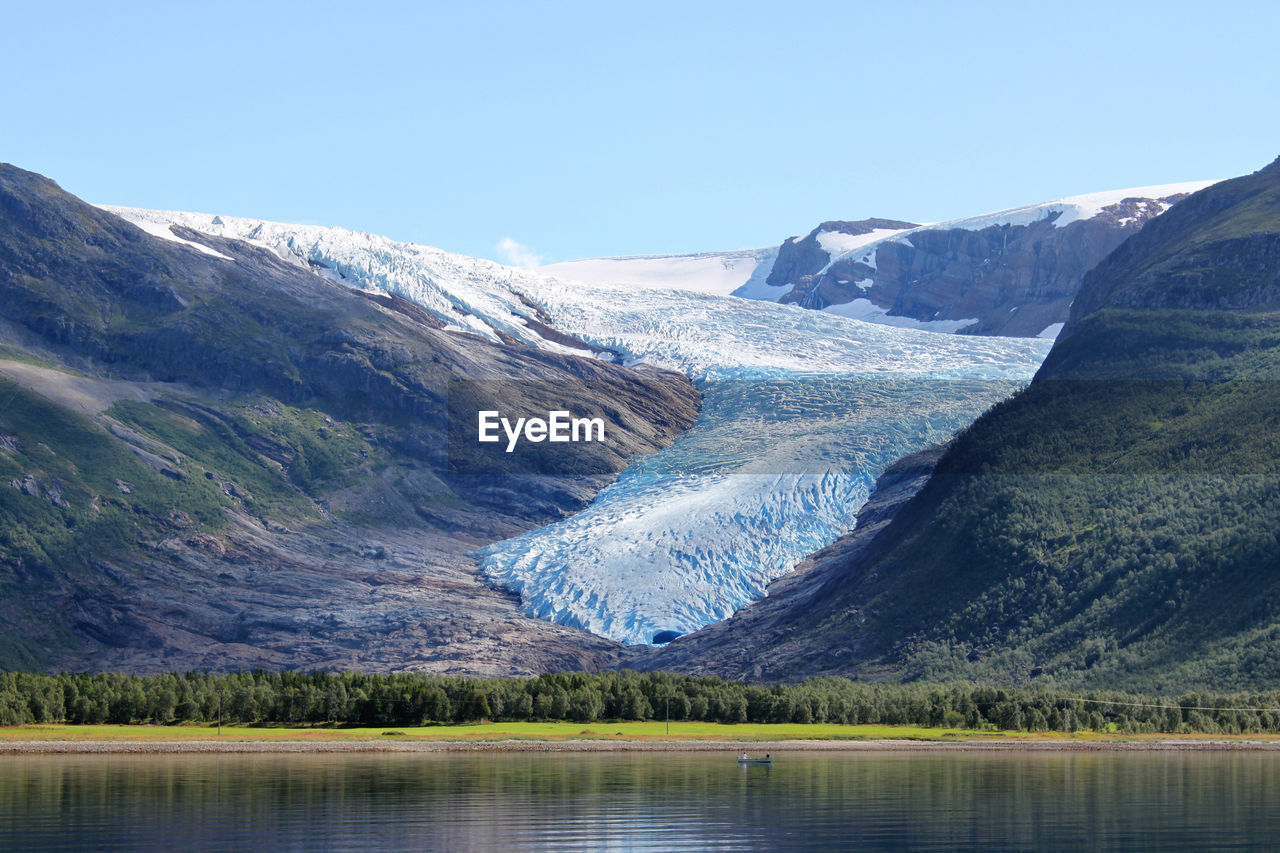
413	699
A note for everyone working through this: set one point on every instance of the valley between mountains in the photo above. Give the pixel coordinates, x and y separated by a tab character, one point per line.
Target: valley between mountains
232	443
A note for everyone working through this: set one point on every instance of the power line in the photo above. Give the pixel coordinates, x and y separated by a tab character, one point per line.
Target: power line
1168	707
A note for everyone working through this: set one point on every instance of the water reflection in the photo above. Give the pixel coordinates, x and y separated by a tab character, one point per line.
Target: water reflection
643	801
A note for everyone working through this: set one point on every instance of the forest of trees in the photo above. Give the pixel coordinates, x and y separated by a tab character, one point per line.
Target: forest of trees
410	699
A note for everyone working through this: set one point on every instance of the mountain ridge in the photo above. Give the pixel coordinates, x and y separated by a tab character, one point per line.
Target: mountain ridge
1110	525
1010	272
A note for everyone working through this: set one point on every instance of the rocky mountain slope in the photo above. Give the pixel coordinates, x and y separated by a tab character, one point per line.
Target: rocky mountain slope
1113	524
213	458
1013	272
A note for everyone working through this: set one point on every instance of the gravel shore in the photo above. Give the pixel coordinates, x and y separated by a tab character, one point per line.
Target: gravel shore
755	748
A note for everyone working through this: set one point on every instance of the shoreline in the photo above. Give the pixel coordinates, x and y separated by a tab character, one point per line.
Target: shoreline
755	748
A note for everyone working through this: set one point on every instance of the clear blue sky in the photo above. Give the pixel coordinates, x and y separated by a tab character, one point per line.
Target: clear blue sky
586	129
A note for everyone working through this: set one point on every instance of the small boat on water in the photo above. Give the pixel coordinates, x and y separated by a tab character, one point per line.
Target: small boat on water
755	760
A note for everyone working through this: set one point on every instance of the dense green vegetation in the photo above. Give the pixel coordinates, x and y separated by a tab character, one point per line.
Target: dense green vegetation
1102	530
1215	251
1161	344
1114	531
1119	533
412	699
1116	523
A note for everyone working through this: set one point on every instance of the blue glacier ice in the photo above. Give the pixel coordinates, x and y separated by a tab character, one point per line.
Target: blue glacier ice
772	471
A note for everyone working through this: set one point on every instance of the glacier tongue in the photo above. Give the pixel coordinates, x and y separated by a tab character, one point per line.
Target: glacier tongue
772	471
802	411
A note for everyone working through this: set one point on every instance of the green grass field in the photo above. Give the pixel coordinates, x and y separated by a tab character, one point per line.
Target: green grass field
653	731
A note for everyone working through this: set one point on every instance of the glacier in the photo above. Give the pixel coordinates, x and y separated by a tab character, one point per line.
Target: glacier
773	470
802	410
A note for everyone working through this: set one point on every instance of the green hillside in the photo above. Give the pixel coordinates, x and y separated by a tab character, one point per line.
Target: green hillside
1116	523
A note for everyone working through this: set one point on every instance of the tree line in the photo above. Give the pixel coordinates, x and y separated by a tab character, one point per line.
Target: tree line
410	699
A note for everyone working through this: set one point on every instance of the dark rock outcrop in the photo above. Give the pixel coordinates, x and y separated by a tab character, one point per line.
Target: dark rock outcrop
1009	279
801	259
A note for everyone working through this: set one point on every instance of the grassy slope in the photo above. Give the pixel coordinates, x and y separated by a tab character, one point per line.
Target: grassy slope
1119	533
1208	252
650	731
84	495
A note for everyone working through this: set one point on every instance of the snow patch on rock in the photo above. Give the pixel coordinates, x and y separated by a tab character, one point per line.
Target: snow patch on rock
868	311
1051	331
838	243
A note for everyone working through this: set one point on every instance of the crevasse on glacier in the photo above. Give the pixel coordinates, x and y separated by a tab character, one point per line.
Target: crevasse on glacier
773	471
802	410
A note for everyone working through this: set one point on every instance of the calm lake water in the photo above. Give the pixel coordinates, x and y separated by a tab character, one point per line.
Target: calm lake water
642	801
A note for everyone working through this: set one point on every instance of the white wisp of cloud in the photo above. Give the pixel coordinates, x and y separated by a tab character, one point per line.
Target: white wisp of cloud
518	254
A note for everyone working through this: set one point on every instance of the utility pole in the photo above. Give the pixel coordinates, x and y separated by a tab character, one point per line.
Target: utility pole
668	712
219	713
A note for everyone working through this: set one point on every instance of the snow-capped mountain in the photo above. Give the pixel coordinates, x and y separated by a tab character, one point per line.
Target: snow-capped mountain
702	335
802	409
1012	272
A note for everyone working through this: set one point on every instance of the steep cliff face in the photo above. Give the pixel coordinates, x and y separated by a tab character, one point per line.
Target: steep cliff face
1111	525
1009	279
213	458
802	260
1014	273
